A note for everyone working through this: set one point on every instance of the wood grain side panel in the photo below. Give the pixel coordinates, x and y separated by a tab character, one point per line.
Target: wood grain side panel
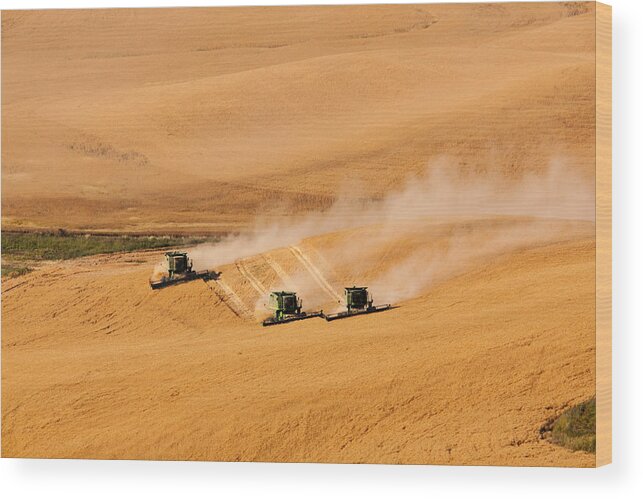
603	234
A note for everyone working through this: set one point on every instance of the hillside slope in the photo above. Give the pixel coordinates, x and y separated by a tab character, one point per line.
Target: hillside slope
198	119
96	364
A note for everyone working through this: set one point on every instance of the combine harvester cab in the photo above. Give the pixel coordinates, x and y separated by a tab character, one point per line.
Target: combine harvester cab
358	302
287	308
179	269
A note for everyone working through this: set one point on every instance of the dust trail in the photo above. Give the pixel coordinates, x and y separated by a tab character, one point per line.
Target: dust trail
464	251
441	193
301	281
159	271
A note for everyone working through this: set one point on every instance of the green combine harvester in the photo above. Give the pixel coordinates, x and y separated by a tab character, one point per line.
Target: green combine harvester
287	308
358	302
179	269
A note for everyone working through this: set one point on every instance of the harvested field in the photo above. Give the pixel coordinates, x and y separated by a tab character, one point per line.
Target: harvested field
442	155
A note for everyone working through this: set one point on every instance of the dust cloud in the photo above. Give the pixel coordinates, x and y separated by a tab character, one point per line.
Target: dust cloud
440	193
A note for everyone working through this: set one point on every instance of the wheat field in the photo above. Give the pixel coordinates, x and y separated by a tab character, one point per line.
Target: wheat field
442	155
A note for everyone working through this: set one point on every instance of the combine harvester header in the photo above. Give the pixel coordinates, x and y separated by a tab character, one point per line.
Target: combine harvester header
179	269
358	302
287	308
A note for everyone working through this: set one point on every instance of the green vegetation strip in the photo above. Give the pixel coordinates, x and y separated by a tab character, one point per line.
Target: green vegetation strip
20	249
13	269
576	427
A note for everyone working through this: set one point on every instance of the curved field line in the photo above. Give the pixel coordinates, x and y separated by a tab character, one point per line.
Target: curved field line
231	299
285	278
315	272
254	282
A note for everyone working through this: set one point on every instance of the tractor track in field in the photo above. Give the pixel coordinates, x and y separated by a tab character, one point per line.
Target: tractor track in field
231	299
252	280
281	273
315	273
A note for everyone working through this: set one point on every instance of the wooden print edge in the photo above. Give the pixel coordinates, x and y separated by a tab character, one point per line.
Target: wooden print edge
603	234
